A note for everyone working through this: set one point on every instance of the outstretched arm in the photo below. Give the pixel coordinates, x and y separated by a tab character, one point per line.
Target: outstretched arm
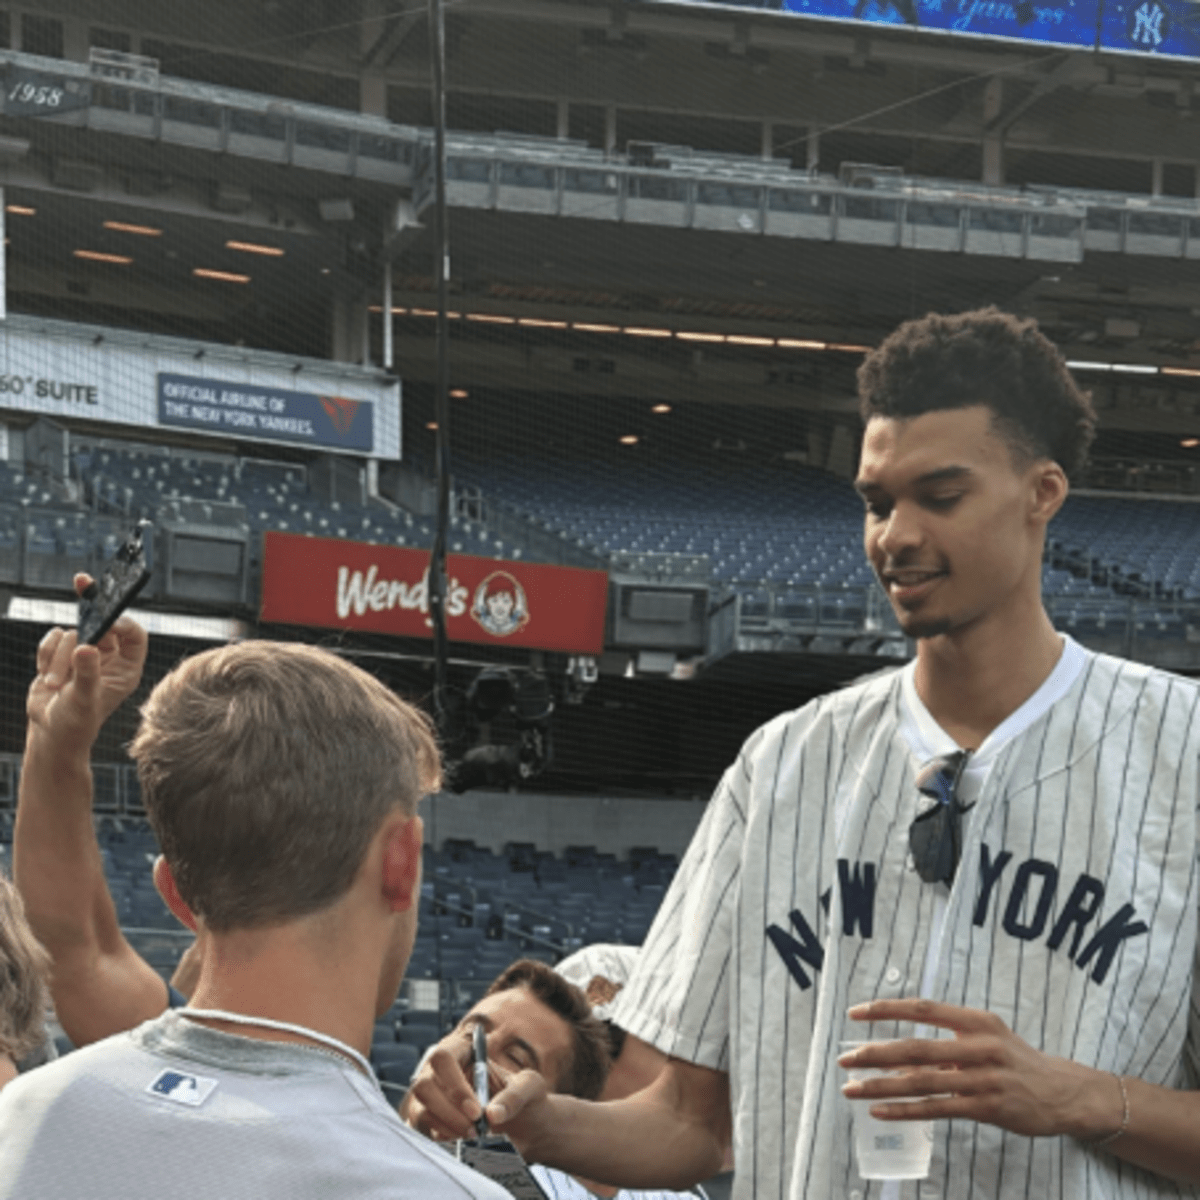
99	984
673	1134
987	1073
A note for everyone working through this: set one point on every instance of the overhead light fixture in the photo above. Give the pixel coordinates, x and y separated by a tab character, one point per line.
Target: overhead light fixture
125	227
682	335
121	260
661	408
431	425
1187	372
628	439
20	210
255	248
1190	443
223	276
1087	364
459	394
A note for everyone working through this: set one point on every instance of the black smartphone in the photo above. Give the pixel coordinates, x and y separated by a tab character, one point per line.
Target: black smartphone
109	596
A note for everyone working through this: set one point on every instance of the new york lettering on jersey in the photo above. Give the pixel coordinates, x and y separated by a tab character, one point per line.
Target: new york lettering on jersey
1024	912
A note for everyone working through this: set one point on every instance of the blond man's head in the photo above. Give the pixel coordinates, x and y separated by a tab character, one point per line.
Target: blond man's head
266	769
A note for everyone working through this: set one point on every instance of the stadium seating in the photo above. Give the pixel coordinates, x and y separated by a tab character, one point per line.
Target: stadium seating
788	538
782	528
789	526
252	494
479	912
1140	546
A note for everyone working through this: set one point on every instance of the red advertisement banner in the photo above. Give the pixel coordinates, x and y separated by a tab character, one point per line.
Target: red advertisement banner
336	584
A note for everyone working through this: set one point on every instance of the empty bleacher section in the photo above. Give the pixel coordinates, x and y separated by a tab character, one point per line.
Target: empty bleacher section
781	537
480	910
787	539
255	495
1146	547
52	527
766	523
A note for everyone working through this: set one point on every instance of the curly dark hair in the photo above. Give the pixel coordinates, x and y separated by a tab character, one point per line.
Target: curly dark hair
586	1073
983	357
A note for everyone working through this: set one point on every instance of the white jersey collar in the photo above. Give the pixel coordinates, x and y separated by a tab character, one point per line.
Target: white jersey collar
928	739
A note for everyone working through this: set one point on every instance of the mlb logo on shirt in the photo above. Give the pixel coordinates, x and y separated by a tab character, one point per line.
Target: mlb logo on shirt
190	1090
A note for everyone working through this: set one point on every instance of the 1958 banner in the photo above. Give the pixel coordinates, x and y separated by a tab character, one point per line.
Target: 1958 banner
336	584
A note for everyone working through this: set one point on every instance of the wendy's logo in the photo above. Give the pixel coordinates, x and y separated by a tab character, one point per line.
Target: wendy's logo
500	606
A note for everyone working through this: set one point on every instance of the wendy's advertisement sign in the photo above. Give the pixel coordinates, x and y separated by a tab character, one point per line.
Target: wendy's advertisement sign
335	584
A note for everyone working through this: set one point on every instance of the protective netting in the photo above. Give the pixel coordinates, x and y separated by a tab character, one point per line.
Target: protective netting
671	242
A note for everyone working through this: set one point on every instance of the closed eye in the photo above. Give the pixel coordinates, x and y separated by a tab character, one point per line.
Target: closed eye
942	503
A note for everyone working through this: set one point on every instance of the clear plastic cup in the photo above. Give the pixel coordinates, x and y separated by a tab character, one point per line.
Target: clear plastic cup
887	1149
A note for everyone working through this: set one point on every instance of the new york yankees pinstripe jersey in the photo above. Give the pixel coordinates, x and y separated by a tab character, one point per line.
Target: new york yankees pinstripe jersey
1073	917
560	1186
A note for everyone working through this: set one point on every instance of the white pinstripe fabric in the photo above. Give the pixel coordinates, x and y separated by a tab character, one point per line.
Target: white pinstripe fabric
559	1186
1090	808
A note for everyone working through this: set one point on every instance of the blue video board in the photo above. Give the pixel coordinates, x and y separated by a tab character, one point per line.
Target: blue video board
1160	27
1060	22
1163	28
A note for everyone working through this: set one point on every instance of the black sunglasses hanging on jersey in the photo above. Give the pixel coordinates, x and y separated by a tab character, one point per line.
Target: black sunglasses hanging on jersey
935	837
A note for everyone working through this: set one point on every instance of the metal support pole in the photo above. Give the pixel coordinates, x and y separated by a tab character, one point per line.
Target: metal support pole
441	269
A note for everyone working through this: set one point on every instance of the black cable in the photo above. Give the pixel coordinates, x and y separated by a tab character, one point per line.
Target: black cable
441	269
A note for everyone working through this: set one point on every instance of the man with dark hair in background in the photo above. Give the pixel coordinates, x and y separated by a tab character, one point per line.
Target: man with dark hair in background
996	844
534	1020
530	1013
282	784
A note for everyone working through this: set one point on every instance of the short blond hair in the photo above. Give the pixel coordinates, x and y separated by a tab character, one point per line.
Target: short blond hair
266	769
24	971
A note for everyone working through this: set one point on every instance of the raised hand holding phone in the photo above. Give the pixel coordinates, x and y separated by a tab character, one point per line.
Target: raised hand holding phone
104	600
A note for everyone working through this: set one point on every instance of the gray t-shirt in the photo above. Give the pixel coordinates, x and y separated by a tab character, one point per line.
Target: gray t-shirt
175	1109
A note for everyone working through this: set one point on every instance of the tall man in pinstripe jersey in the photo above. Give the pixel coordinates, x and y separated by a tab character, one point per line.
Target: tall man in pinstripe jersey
1040	990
